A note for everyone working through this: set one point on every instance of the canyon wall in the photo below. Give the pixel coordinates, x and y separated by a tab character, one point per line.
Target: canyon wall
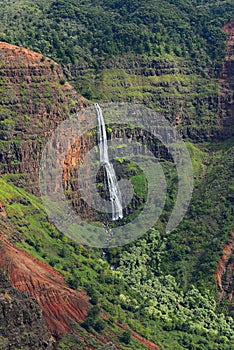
226	97
21	321
34	99
176	88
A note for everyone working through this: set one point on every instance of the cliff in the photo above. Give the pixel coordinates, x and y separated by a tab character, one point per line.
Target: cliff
61	305
226	97
177	88
224	273
34	99
21	321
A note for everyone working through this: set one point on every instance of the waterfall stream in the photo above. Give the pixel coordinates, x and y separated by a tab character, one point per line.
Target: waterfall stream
112	183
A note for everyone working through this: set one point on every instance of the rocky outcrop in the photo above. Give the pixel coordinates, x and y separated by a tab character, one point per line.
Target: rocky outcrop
176	88
61	305
225	269
34	99
226	97
21	322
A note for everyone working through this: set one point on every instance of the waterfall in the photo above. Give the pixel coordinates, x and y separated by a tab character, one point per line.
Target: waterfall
112	183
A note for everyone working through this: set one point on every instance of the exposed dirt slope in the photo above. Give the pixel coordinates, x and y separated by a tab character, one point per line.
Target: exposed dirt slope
61	305
21	322
224	273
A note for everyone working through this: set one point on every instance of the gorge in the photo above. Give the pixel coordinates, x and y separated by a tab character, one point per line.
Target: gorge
165	290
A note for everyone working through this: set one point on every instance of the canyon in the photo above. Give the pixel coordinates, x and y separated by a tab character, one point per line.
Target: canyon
35	98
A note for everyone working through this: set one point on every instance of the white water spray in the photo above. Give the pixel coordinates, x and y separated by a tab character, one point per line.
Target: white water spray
113	187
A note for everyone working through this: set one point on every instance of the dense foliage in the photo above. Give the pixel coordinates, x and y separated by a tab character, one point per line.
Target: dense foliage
137	292
163	285
77	31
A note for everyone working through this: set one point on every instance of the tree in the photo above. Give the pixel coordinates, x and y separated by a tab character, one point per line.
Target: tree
126	336
93	320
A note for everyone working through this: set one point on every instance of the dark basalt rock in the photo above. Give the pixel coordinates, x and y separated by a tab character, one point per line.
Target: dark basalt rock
21	322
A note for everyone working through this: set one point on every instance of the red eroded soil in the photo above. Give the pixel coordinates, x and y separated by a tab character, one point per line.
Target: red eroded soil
61	305
224	272
20	53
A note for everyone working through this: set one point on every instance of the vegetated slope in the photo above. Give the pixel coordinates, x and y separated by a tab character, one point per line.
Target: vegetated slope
160	310
154	306
22	324
64	309
166	55
193	250
61	305
74	30
203	234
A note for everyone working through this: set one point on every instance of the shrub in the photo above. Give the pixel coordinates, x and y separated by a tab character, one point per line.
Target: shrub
126	337
62	81
99	325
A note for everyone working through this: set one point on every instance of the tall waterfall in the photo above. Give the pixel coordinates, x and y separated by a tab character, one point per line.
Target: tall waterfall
113	187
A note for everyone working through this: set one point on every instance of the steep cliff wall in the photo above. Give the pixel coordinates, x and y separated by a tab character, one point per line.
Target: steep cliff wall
21	322
225	269
34	99
226	97
177	88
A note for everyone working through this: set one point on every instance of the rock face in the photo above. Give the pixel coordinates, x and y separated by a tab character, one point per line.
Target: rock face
224	273
61	305
34	99
21	322
226	98
176	88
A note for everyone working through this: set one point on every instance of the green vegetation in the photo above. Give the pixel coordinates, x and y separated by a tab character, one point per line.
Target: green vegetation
136	292
166	55
93	320
126	337
73	31
188	97
140	185
208	223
